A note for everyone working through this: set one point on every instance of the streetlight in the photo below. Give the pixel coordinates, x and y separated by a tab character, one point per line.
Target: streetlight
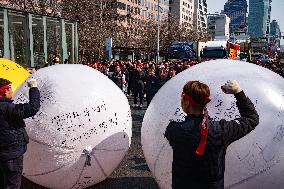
158	35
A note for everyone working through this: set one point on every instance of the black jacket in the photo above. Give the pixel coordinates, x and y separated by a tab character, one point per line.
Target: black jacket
152	85
13	136
130	77
138	84
118	79
207	172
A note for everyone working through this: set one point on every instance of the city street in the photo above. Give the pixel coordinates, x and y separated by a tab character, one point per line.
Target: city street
64	63
133	172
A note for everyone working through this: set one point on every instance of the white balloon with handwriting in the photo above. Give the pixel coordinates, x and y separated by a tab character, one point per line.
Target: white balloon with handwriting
256	160
82	131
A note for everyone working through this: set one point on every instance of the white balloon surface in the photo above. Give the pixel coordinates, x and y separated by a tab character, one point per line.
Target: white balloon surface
82	131
255	161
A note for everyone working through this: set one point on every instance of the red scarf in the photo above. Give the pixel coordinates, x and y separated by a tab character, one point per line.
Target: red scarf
3	89
204	133
204	124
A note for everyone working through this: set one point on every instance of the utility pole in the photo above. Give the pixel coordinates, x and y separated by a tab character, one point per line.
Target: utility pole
101	28
158	34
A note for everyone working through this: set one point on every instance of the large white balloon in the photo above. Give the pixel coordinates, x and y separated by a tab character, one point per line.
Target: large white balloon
255	161
82	131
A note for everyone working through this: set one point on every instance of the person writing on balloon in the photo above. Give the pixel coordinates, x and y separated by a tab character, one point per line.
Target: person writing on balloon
13	136
199	143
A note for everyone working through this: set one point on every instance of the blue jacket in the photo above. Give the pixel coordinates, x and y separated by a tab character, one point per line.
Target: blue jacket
13	136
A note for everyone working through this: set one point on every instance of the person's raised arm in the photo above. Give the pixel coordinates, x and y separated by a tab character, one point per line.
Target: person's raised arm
249	118
26	110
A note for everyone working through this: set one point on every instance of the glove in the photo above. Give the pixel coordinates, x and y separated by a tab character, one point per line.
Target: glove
32	83
231	87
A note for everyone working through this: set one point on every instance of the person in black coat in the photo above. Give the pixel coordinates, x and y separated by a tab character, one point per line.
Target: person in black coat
13	136
118	77
199	143
138	86
152	86
162	78
130	79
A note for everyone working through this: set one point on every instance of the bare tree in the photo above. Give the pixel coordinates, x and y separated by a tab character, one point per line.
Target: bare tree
99	19
46	7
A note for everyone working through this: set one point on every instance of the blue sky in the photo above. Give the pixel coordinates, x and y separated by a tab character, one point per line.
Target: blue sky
277	10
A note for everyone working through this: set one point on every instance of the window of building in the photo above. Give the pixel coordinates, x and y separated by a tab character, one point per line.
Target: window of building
1	33
121	6
27	43
53	38
211	27
18	37
38	36
69	35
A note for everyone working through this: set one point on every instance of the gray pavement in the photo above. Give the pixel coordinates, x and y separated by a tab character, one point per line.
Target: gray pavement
132	172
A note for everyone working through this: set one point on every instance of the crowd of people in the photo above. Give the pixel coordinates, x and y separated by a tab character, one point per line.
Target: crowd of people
275	65
144	79
193	165
140	79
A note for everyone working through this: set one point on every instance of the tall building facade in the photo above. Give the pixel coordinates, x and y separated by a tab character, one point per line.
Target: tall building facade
275	34
275	29
268	17
259	17
182	11
218	27
237	11
142	10
200	14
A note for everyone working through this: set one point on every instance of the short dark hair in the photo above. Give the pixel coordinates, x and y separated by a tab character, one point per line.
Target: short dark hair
4	82
197	90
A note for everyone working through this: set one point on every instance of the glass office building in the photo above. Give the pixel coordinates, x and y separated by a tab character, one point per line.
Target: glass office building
237	11
33	40
259	17
275	33
275	29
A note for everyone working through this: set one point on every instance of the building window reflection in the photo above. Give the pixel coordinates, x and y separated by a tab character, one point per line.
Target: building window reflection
1	33
69	39
33	40
38	41
18	38
53	39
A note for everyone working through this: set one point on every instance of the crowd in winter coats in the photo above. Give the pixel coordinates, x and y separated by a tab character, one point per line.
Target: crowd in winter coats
141	79
144	79
276	66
